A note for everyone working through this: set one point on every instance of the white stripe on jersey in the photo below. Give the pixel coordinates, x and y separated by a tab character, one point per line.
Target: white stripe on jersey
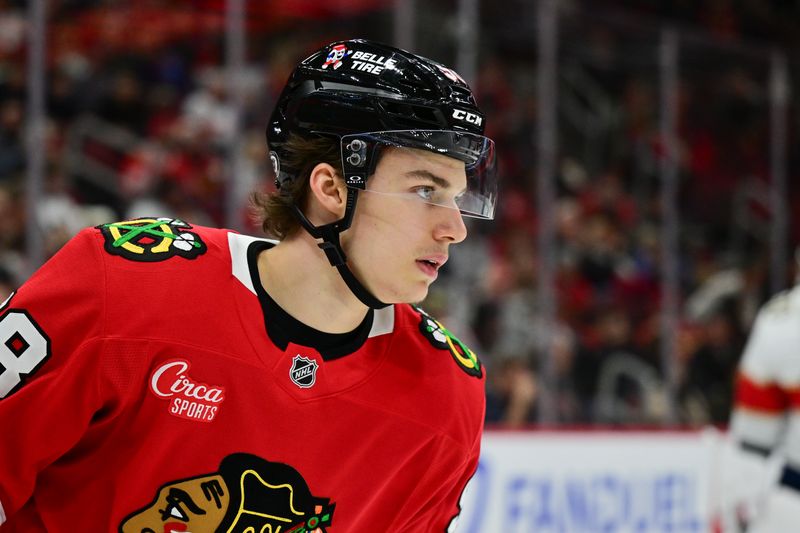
382	321
757	428
237	244
2	514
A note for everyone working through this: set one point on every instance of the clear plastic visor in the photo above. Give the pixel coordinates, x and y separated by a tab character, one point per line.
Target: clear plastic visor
450	169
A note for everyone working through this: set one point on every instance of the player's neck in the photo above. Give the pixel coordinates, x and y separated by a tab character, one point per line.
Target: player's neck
297	275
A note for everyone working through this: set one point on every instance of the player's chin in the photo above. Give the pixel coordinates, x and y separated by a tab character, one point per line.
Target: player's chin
419	292
411	293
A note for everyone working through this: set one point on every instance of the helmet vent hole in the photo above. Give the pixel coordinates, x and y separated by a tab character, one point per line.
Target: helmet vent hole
462	94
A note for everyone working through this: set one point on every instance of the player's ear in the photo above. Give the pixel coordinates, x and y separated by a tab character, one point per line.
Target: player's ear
328	197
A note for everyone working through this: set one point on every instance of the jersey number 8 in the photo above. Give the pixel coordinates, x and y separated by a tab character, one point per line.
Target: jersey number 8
23	349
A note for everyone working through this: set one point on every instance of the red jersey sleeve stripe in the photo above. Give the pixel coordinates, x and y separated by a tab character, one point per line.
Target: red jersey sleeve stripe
767	397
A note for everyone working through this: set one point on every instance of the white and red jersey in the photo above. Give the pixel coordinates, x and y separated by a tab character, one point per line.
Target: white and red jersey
765	425
140	391
767	404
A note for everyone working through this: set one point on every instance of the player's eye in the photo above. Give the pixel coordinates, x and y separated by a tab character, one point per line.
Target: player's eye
425	192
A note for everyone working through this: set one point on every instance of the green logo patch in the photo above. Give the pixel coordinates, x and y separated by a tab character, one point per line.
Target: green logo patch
441	338
151	239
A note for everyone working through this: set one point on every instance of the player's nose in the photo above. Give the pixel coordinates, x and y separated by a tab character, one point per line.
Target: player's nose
450	225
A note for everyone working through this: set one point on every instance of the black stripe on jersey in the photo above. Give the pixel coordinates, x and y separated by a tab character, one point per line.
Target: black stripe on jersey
755	448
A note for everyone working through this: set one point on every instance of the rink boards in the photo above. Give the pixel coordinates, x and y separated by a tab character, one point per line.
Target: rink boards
589	481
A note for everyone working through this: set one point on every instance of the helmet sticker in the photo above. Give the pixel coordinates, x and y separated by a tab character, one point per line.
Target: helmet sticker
372	63
335	56
441	338
151	239
246	493
361	61
451	74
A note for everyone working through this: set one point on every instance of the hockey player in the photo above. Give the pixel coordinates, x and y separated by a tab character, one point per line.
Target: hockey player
162	377
762	469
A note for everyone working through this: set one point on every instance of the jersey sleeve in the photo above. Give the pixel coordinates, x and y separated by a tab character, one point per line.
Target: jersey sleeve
49	341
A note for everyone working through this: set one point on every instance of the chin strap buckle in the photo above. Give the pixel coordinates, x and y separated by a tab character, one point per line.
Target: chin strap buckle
334	253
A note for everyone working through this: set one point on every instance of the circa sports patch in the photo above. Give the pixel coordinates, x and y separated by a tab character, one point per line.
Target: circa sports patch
151	239
440	337
246	493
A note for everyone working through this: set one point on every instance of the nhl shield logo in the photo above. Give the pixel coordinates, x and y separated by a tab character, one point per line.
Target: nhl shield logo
303	371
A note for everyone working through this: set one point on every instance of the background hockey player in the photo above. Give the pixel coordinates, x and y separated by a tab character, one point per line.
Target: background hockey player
761	490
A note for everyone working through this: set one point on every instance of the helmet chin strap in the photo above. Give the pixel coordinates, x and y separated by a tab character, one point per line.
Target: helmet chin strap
329	233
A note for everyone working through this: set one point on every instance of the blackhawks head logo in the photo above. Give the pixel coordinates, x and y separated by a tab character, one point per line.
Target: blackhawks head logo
151	239
247	494
441	338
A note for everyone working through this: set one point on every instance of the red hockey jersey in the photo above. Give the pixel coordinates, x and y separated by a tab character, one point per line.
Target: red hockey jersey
140	392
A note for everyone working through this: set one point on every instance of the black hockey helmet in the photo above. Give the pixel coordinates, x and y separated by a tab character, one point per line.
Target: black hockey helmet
370	95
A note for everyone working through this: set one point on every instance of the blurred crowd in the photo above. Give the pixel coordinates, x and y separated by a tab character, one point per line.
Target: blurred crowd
141	118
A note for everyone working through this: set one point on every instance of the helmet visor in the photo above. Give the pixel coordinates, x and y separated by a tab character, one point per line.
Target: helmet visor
466	182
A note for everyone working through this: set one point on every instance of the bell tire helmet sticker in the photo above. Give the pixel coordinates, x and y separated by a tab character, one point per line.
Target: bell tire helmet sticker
360	60
245	493
151	239
441	338
303	372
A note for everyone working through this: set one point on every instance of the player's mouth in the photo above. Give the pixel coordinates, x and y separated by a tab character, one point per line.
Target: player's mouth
176	527
430	264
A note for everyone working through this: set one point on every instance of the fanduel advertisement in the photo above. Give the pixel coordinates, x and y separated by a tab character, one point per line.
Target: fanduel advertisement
589	482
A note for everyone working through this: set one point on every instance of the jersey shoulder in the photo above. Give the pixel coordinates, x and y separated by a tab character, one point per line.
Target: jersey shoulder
446	376
162	239
772	348
431	334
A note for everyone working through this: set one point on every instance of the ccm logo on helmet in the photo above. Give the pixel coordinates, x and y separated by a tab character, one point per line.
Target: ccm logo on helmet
466	116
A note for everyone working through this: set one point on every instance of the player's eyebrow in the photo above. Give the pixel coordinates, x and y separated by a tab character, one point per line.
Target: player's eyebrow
426	174
437	180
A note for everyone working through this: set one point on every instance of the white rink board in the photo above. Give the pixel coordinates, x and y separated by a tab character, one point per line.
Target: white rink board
590	482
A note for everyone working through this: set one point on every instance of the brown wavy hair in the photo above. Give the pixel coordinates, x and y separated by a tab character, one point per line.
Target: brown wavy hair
274	209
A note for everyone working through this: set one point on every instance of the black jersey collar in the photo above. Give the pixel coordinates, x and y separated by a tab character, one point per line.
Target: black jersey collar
282	328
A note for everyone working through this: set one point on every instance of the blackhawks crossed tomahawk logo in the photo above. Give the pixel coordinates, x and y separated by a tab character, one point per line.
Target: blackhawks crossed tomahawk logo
440	337
151	239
